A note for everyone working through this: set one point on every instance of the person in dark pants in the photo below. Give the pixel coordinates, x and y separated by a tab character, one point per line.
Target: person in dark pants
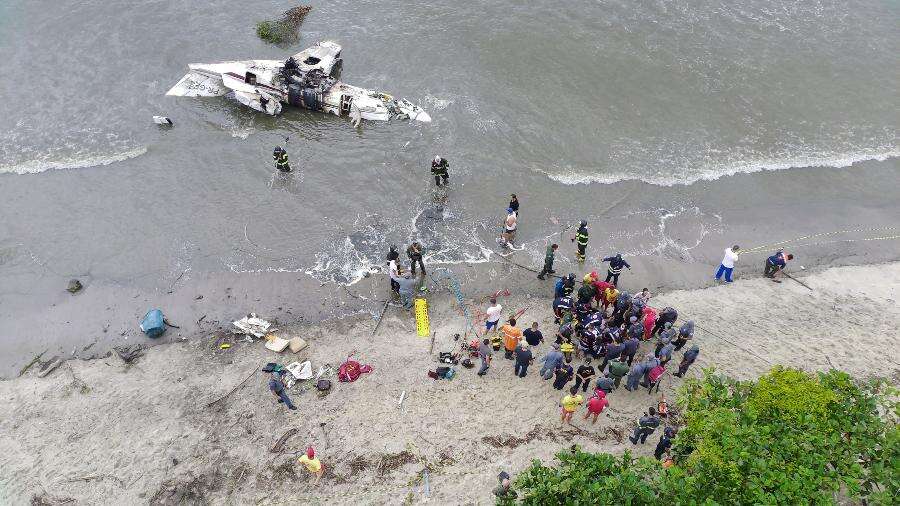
776	263
276	386
393	259
616	264
685	334
281	159
668	315
631	347
548	261
613	350
514	203
689	357
439	168
665	442
485	354
618	369
524	358
581	236
584	375
414	252
646	425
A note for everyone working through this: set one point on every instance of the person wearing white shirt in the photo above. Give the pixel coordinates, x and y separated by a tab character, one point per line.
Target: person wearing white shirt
493	315
727	266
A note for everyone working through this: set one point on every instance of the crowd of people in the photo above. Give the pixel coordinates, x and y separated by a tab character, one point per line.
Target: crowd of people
596	347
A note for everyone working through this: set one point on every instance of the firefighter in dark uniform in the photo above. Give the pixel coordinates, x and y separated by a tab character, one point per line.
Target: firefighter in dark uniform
439	168
581	236
281	159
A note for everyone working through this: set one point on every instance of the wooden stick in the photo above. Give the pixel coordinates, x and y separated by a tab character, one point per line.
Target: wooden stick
33	361
232	390
381	317
797	280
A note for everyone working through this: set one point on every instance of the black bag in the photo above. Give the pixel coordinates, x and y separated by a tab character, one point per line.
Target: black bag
269	367
323	385
467	363
442	371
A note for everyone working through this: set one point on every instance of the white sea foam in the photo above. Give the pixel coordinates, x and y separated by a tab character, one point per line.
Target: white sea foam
687	176
38	166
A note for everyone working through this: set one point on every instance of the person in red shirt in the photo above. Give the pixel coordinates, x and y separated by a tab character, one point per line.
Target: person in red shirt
596	405
600	291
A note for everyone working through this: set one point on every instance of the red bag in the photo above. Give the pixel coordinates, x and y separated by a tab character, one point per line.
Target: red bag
350	371
656	372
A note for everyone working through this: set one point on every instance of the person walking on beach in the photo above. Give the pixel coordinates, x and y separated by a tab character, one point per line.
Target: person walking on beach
634	376
775	264
548	261
414	252
511	337
493	315
581	236
439	168
276	386
616	264
646	425
485	354
524	358
727	265
570	404
665	442
596	404
687	359
685	334
312	464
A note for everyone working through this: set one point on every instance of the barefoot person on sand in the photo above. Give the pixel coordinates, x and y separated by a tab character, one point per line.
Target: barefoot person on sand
596	405
312	464
570	404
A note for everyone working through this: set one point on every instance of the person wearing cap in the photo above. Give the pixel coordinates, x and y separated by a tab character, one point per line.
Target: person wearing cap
551	361
687	359
276	386
439	168
312	464
549	255
596	404
775	264
524	358
570	404
727	265
581	236
509	226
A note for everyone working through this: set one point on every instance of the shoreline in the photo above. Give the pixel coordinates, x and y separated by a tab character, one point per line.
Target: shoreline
102	429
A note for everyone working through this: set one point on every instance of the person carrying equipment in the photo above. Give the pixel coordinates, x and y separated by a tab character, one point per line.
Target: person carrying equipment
281	159
616	263
581	235
439	168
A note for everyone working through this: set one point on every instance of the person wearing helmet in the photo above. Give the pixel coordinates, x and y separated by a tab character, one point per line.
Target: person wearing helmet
439	168
281	159
616	264
581	235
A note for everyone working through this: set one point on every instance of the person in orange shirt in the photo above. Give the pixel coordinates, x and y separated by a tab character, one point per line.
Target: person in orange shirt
511	337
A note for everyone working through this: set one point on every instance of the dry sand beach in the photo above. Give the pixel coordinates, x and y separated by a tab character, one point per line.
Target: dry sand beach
103	432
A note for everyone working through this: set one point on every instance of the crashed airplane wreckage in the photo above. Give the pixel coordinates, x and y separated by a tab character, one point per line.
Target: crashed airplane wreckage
303	80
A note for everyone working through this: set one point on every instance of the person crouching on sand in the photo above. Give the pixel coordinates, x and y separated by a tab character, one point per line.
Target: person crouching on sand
312	464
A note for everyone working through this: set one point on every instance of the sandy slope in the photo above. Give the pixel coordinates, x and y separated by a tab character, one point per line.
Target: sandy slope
103	432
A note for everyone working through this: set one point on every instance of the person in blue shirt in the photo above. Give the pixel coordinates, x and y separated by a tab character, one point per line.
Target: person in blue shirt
775	264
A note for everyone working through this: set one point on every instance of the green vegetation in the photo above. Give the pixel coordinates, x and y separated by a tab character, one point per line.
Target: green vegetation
789	438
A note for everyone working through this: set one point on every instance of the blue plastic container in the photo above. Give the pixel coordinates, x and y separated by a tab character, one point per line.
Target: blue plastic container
152	324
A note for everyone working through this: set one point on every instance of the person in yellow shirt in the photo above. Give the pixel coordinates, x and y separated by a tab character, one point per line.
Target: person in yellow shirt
511	337
570	404
313	464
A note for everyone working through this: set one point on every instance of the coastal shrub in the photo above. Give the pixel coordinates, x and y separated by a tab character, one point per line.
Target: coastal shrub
790	437
283	29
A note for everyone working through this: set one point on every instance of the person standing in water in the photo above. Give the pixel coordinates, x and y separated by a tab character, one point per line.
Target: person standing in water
509	226
281	159
514	203
548	261
439	167
581	236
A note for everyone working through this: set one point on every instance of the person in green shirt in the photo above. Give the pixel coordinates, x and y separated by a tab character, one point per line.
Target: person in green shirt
618	369
548	261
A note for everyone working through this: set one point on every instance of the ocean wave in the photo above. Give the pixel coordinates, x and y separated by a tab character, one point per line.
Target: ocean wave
574	176
38	166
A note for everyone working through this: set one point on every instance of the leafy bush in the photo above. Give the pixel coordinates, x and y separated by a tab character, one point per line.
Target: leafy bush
788	438
284	29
